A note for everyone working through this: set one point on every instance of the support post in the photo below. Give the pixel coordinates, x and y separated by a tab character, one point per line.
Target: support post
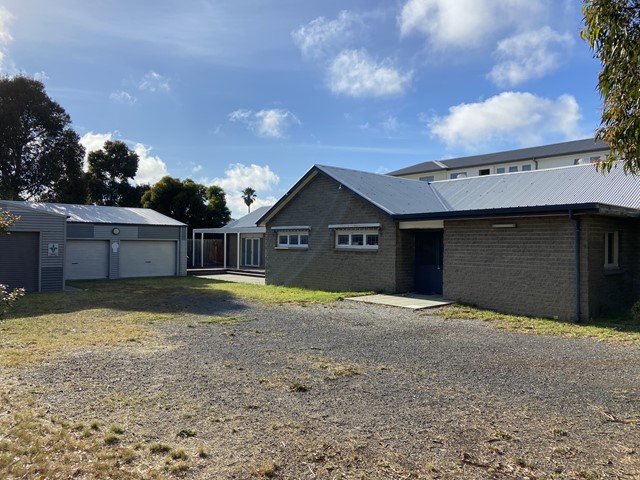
202	249
238	252
224	250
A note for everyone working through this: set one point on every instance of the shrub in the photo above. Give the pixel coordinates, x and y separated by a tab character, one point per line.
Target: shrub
635	311
7	297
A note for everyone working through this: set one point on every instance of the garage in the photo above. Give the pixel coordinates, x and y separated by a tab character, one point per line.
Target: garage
87	259
21	268
147	258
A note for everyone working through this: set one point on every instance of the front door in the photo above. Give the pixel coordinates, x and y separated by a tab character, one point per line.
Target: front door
429	261
252	252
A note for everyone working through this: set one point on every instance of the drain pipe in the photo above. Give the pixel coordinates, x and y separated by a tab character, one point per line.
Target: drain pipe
577	241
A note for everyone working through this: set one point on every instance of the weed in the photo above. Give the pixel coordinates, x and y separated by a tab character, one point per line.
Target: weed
95	425
186	433
159	448
202	453
179	467
179	454
299	387
111	439
117	429
560	432
267	470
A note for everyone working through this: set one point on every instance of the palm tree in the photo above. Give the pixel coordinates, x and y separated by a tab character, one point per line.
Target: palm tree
248	195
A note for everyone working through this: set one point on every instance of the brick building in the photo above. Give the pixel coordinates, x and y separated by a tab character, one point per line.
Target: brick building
561	242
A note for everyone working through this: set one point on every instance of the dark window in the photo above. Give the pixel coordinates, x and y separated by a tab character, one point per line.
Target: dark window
500	170
484	171
357	239
372	239
526	168
513	169
343	239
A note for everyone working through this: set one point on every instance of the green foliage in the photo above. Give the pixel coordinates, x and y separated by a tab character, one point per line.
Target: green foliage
110	170
249	196
188	202
6	220
612	30
635	311
41	155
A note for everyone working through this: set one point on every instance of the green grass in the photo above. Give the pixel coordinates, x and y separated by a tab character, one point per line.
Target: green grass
106	313
620	328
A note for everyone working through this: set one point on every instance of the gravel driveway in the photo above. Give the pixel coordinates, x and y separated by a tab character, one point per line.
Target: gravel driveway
349	390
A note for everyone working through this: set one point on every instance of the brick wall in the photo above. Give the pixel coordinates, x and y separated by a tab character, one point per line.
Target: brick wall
527	270
321	203
611	290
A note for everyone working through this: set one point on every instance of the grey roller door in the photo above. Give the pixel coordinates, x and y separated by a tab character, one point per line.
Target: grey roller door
147	258
87	259
20	260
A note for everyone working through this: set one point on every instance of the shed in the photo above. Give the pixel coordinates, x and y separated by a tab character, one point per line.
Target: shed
32	253
110	242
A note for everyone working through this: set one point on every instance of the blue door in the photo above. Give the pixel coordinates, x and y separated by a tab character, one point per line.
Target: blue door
429	262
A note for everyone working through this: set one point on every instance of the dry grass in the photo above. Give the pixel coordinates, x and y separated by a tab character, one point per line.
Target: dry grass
619	329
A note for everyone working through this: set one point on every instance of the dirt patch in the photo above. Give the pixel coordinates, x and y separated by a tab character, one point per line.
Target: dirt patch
346	390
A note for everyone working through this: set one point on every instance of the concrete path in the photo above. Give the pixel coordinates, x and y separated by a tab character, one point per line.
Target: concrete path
413	301
230	277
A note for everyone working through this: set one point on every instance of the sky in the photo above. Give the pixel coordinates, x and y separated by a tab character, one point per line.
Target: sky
253	93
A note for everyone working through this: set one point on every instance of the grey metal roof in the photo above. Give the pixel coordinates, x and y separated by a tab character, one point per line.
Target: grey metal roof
573	185
576	147
249	220
395	196
100	214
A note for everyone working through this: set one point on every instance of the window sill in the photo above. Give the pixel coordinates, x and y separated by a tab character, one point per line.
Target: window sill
305	247
613	271
357	249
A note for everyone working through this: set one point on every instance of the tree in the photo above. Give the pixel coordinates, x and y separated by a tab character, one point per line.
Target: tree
612	30
40	155
6	220
188	202
217	201
110	170
249	196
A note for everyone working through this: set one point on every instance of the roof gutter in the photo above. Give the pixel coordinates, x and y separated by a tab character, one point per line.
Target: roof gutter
499	212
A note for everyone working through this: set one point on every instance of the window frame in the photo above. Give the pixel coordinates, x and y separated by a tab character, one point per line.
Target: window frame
358	237
297	238
612	252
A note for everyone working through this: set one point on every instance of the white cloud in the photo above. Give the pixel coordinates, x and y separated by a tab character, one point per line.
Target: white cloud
40	76
390	125
464	23
123	97
238	177
357	74
93	141
528	55
196	168
154	82
5	37
150	168
523	117
271	123
320	36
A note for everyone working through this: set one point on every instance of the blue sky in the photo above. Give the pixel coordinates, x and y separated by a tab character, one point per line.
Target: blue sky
254	92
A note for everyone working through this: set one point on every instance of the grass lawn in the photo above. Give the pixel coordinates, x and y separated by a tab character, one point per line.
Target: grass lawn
622	328
105	313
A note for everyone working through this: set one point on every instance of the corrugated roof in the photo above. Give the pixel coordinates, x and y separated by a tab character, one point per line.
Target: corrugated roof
573	185
576	147
249	220
100	214
395	196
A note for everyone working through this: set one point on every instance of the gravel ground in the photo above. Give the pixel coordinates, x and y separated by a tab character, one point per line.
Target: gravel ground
350	390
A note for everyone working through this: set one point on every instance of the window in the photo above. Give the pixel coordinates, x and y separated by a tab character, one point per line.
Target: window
611	249
594	159
513	169
363	236
577	161
526	168
292	237
500	170
484	171
428	178
458	175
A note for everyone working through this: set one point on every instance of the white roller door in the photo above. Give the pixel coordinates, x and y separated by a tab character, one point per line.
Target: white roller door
87	259
145	258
